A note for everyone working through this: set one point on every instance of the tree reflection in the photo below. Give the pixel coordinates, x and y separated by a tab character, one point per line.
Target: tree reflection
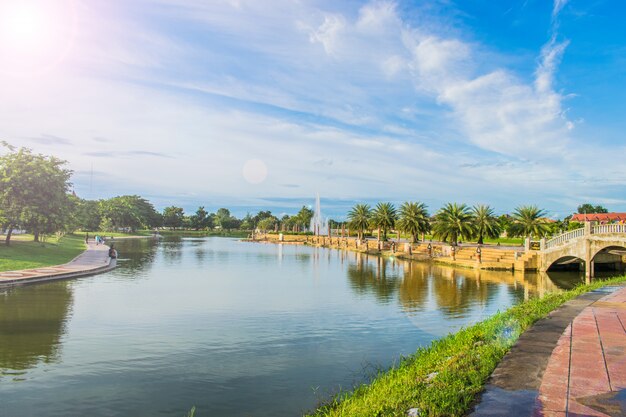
32	322
374	275
455	292
136	255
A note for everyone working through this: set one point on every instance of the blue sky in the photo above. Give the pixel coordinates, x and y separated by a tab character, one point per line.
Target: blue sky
254	105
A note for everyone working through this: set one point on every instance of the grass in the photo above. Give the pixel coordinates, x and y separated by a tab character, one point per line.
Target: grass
444	378
23	253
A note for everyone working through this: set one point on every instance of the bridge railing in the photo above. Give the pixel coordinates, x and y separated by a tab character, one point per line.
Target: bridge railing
565	237
609	228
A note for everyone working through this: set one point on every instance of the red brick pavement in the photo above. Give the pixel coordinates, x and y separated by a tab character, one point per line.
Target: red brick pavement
589	360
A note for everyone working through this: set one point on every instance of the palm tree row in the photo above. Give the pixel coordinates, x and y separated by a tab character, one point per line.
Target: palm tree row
451	223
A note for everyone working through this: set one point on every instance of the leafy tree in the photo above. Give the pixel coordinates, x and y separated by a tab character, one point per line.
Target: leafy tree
33	191
359	219
129	211
173	217
199	220
88	216
384	216
268	223
413	219
453	221
222	216
590	208
247	223
486	224
529	221
262	215
304	216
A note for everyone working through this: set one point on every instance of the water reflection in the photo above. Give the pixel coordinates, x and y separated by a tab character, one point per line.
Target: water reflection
235	328
136	255
32	322
373	275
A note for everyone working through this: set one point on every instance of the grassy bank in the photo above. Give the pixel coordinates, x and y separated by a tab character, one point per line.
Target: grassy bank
23	253
444	378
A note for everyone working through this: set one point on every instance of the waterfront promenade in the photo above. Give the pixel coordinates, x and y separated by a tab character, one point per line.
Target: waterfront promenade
95	259
573	363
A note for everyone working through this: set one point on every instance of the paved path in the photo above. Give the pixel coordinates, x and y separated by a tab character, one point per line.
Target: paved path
554	371
586	374
94	260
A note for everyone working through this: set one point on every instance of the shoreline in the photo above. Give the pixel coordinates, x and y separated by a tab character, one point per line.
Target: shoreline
92	261
450	376
493	258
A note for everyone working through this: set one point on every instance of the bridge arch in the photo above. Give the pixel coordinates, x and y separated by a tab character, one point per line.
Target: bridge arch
566	262
609	257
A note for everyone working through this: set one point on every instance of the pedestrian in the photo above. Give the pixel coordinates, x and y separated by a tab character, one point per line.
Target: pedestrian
87	237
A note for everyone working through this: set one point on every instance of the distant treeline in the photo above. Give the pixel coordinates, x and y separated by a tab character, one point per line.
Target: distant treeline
35	196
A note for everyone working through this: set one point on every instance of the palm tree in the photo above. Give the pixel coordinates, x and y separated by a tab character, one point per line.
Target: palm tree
359	218
453	221
413	219
486	224
529	221
384	217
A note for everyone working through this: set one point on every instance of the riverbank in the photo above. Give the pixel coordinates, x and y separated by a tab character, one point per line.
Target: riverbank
94	260
444	378
491	257
23	253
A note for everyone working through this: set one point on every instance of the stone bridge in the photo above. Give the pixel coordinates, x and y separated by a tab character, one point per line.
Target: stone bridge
589	245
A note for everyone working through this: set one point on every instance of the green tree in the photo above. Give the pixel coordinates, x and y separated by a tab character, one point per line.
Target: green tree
413	219
486	224
88	216
359	219
129	211
453	221
303	218
384	216
268	223
199	220
529	221
173	217
33	191
590	208
247	223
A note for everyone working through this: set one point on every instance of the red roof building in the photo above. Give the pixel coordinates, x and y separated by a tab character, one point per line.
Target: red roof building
599	217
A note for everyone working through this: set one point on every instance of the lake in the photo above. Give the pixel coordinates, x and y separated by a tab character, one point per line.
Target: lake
233	328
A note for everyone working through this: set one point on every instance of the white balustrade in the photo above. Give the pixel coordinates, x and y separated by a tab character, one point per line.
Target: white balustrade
609	228
573	234
596	229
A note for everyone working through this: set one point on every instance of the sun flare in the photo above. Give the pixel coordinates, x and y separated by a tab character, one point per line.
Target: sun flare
35	35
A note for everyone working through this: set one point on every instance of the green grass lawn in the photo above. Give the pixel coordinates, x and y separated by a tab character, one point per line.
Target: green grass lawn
444	378
23	253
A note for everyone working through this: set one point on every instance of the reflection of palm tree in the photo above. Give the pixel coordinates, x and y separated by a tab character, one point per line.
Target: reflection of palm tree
453	221
32	322
359	218
365	277
384	217
413	219
485	222
455	297
413	291
528	221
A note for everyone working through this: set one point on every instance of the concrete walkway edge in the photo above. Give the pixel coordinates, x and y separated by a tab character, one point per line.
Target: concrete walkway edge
94	260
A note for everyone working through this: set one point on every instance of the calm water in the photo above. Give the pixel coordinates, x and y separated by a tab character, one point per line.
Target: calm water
234	328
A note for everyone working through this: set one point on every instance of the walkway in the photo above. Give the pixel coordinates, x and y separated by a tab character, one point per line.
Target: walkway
573	363
92	261
586	374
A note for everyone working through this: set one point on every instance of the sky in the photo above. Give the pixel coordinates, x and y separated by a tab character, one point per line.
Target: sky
255	105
